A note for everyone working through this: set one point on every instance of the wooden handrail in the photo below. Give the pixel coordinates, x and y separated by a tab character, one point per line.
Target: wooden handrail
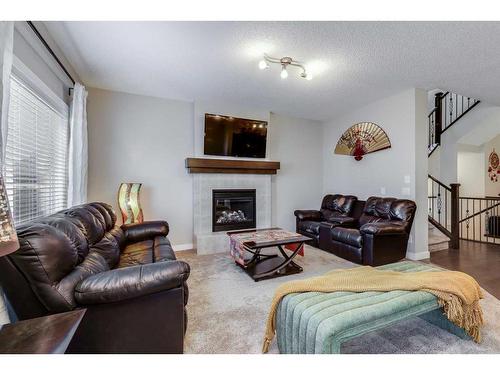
439	182
447	208
480	212
436	223
482	199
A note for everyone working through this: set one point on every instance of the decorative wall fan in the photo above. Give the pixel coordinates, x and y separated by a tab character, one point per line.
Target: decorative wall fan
361	139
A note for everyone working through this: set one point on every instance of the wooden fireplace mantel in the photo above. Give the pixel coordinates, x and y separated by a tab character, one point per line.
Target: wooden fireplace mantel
207	165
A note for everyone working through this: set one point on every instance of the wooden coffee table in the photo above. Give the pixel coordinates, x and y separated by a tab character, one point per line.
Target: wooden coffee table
266	266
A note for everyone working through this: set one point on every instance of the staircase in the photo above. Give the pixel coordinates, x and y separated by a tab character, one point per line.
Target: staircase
437	240
448	109
444	200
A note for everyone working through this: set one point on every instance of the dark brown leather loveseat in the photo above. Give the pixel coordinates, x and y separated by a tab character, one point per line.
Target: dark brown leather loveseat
381	236
126	277
336	209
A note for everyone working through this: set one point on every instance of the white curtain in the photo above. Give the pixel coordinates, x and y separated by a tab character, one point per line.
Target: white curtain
6	44
78	147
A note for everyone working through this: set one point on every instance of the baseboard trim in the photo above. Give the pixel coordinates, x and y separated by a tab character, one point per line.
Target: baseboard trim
418	256
183	247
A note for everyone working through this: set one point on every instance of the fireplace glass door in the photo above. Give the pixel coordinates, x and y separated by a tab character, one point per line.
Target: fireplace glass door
233	209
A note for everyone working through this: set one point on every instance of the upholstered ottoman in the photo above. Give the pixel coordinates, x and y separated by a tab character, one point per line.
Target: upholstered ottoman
315	322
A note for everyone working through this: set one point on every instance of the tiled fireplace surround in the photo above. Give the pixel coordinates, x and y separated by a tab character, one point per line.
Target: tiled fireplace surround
208	242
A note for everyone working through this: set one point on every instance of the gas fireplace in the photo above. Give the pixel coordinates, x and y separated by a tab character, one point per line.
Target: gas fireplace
233	209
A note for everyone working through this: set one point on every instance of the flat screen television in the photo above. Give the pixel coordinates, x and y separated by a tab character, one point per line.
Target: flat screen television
232	136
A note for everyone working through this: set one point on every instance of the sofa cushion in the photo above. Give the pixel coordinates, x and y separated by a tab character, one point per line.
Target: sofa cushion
71	229
93	264
329	215
137	253
109	246
380	207
343	220
162	250
349	236
403	209
310	226
338	202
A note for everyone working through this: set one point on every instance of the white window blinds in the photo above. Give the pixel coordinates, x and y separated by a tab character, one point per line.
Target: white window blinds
36	170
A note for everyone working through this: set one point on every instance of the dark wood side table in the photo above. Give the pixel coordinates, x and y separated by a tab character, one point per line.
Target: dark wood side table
49	334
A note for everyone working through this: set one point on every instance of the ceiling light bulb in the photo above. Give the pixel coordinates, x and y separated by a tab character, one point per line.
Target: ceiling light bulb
284	73
263	64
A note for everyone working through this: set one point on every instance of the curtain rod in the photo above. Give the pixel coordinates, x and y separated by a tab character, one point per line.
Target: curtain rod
45	44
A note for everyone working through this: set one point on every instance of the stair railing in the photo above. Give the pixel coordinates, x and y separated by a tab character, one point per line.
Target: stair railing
443	209
449	107
480	219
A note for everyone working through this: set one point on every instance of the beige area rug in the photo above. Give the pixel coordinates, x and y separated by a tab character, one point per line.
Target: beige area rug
227	312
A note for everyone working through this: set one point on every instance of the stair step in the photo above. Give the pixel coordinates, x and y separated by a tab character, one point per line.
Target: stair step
438	246
437	240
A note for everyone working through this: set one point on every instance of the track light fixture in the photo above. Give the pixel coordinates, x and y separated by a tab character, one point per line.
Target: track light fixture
285	62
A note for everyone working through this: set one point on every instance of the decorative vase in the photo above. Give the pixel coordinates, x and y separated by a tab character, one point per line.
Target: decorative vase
129	202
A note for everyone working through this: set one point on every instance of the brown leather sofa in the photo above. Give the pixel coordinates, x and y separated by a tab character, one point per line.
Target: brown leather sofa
126	277
381	236
336	210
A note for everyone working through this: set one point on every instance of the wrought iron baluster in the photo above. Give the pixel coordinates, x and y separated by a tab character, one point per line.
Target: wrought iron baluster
467	216
432	195
461	216
451	108
487	225
439	204
474	220
446	209
433	129
495	223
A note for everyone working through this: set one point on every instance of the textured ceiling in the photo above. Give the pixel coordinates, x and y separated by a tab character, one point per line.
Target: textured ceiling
353	62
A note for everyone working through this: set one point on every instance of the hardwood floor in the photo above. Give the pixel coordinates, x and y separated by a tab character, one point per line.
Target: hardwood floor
480	260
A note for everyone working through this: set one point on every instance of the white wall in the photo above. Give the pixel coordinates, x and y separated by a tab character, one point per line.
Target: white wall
144	139
297	144
403	118
471	171
136	138
29	49
435	163
475	128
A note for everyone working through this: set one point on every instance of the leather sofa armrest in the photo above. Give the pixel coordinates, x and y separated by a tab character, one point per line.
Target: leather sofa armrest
383	228
313	215
131	282
345	221
146	230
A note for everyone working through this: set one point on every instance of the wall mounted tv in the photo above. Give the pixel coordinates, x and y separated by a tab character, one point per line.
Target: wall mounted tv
232	136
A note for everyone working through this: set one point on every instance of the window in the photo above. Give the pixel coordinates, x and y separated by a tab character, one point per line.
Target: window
36	160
